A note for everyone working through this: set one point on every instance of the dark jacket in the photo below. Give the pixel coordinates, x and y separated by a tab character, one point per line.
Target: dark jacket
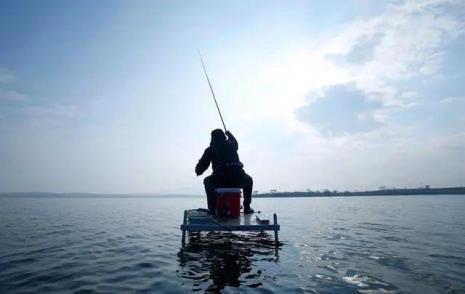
223	156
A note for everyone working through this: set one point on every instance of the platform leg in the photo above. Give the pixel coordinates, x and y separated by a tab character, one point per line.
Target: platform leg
275	220
183	240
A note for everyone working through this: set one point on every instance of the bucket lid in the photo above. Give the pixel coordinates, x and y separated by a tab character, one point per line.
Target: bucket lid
228	190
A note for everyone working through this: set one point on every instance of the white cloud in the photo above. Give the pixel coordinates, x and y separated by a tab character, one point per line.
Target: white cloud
450	100
406	41
410	43
12	96
6	77
55	112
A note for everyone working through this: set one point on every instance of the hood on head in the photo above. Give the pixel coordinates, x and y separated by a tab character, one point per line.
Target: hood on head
217	137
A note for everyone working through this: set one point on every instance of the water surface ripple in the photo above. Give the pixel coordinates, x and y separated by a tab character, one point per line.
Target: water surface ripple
404	244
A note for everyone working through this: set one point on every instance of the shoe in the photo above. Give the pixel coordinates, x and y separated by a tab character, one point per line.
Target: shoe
248	210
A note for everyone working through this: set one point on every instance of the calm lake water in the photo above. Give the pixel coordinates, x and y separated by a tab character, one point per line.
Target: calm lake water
411	244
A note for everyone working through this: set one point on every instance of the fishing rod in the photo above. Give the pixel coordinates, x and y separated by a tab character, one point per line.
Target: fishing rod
211	89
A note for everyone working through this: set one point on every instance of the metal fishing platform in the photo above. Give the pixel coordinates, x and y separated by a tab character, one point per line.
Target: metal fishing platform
198	220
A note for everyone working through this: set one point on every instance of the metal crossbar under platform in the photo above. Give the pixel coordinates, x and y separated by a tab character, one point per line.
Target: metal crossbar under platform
198	220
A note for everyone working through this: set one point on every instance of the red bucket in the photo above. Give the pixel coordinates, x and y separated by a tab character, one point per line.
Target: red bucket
228	202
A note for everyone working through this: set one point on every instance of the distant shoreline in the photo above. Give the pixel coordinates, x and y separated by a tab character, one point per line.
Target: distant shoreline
326	193
89	195
383	192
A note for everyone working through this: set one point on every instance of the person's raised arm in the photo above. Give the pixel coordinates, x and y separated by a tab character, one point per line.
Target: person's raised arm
232	139
203	163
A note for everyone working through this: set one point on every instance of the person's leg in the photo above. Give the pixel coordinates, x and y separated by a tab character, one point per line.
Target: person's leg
210	186
247	186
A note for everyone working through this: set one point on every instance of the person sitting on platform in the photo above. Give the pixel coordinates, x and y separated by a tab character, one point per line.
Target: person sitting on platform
228	171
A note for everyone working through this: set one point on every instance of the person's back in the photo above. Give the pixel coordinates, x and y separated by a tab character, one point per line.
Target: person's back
227	168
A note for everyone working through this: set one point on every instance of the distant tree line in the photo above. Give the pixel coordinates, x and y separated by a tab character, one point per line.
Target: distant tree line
382	192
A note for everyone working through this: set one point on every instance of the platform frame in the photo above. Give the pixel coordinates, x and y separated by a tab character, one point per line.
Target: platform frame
223	226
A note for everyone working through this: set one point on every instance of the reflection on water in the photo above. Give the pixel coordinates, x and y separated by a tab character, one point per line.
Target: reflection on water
215	260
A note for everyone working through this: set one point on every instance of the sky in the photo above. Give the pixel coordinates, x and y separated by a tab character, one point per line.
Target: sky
110	96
